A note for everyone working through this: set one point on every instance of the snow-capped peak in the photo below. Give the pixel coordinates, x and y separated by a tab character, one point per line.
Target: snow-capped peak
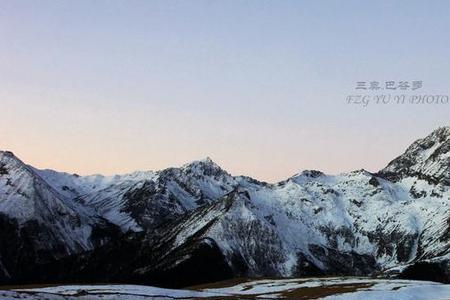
7	157
207	161
204	166
427	158
6	152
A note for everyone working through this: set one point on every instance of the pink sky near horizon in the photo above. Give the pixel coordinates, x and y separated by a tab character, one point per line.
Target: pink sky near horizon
116	151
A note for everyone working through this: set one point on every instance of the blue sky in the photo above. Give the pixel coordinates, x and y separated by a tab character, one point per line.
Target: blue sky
260	86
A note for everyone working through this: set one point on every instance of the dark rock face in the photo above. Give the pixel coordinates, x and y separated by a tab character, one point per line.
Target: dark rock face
103	264
431	271
3	169
395	243
305	267
146	207
9	243
374	181
17	254
340	263
129	262
205	263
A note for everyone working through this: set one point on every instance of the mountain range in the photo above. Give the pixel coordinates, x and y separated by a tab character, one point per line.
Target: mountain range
197	223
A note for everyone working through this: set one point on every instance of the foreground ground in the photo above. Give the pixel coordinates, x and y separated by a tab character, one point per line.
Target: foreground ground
307	288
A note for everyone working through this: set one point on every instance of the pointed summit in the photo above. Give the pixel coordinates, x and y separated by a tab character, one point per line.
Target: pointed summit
9	162
207	160
7	156
208	171
203	164
6	152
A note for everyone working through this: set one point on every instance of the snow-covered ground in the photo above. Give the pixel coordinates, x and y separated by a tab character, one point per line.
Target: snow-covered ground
312	288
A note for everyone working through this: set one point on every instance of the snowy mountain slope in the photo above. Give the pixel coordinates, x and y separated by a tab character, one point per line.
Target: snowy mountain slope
277	230
145	199
58	214
346	214
197	223
427	158
355	223
37	223
349	224
25	196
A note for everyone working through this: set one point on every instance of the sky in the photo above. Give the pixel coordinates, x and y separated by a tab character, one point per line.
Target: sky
259	86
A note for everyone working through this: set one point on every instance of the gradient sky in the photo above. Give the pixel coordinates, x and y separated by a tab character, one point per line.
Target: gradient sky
259	86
